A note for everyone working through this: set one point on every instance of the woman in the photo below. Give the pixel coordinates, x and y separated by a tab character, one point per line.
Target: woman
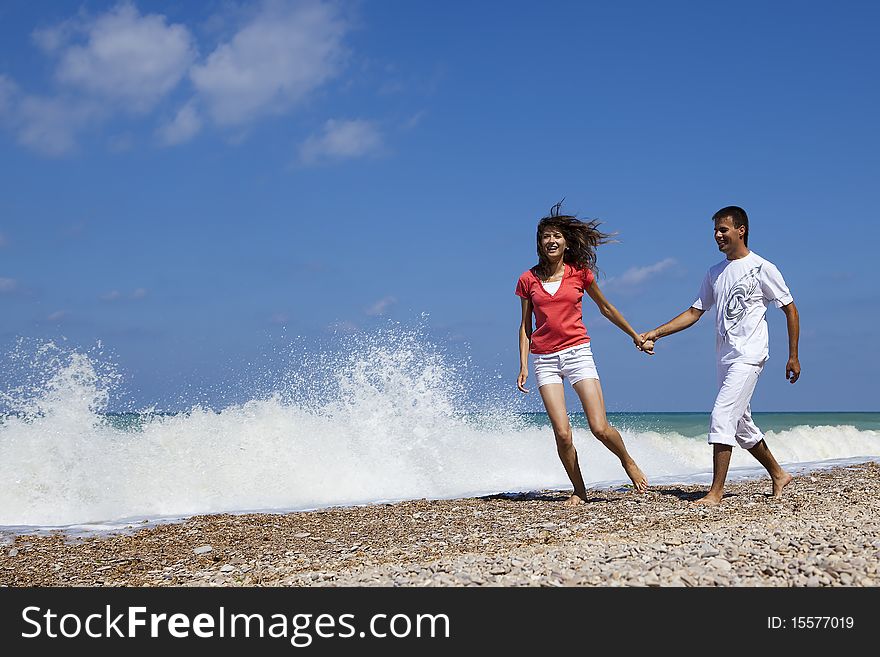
552	291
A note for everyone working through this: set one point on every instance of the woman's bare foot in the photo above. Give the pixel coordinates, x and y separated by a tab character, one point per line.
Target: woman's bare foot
780	482
640	482
575	499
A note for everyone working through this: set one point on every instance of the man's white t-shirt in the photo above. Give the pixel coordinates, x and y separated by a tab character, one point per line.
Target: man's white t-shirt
741	290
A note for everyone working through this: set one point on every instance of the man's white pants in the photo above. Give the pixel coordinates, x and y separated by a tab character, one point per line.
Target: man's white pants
731	421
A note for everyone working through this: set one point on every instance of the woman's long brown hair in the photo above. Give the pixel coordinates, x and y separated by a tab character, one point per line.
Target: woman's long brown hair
581	239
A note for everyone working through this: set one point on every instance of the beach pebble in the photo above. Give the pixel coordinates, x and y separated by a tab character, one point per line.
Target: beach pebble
719	564
807	538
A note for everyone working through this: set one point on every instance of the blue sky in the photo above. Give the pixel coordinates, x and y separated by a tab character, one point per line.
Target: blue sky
199	186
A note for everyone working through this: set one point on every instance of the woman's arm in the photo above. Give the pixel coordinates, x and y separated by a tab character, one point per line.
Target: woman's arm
614	315
525	342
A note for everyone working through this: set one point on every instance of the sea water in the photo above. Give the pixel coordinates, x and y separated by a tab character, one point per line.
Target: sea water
383	419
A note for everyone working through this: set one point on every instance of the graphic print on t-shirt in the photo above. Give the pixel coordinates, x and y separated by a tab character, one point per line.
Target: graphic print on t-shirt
735	306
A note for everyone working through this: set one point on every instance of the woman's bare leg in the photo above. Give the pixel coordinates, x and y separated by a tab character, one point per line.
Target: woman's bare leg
590	393
553	395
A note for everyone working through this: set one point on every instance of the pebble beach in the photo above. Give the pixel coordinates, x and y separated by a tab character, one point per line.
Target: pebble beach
823	532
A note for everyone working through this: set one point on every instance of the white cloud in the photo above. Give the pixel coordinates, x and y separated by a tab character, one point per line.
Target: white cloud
381	307
273	62
185	125
126	62
341	140
57	316
50	125
120	143
8	285
8	94
635	276
116	295
74	230
130	58
414	120
53	38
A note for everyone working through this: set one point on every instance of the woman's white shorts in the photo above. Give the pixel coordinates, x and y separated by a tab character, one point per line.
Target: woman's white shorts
575	364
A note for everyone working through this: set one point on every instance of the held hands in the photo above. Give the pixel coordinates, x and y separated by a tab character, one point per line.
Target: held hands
521	380
644	344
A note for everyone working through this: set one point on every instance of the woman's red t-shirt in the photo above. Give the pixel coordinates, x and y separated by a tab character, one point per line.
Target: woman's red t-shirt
559	322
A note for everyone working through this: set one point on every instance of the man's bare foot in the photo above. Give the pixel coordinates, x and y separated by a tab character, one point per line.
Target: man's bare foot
780	482
575	499
640	482
708	500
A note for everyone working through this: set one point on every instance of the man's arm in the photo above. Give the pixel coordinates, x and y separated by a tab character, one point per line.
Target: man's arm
793	321
687	319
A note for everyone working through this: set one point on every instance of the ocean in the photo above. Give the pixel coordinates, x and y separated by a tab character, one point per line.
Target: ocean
376	422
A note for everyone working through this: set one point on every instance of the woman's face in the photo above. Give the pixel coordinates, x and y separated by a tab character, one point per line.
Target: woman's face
552	242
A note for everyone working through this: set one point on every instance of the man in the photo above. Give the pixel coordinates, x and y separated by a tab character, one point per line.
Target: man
740	287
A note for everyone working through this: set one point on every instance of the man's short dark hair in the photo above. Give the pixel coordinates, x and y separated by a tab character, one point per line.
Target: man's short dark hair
738	216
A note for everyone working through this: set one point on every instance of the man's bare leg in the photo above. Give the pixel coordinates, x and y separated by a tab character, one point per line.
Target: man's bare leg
765	457
720	464
553	395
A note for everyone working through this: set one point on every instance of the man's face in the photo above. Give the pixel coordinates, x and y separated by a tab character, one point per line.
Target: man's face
728	238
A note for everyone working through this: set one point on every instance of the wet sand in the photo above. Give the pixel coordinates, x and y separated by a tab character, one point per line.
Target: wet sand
824	531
